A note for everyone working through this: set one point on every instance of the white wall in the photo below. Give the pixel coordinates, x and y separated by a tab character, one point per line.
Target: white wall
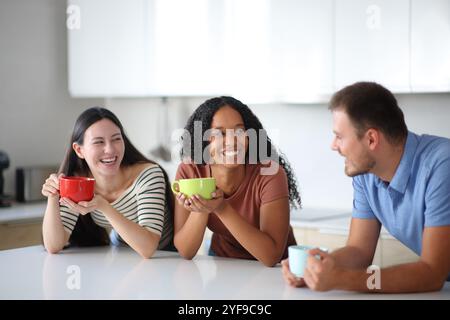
144	123
306	137
36	112
303	133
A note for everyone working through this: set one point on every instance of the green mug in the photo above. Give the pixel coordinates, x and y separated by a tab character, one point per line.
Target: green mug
201	186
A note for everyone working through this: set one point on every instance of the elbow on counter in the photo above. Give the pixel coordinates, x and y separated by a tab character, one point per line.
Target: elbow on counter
272	260
270	263
185	255
184	252
52	249
146	254
437	285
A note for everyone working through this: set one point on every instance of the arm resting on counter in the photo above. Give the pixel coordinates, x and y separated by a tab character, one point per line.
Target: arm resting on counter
189	230
54	235
361	244
266	243
428	274
136	236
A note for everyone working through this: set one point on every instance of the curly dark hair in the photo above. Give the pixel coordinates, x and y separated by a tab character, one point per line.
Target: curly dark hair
205	112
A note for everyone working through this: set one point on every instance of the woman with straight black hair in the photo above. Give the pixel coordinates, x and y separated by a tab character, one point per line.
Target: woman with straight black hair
132	195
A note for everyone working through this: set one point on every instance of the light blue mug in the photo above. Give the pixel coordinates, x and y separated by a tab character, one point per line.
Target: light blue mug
298	257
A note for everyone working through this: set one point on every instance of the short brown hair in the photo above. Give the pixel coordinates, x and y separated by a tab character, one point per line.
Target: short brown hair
370	105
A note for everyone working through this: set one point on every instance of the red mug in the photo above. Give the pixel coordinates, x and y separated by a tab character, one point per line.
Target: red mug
77	188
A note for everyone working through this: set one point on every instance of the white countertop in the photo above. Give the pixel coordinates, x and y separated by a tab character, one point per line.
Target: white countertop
329	221
119	273
23	212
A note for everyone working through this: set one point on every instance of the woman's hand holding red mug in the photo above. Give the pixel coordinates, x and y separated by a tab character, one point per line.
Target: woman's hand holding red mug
50	188
84	207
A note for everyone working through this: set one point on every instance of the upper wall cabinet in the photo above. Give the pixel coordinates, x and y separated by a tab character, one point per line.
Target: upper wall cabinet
257	50
268	51
246	49
430	45
301	42
186	47
107	47
144	47
372	42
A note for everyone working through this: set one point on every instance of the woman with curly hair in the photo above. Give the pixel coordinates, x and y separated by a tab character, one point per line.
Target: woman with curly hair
249	210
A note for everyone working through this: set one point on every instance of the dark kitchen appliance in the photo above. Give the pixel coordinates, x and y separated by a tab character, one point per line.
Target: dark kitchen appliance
4	164
29	181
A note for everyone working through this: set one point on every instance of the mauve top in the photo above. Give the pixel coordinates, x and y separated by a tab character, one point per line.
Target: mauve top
254	191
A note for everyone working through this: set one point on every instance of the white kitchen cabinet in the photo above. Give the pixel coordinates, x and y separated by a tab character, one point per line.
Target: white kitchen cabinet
107	49
187	47
294	51
301	39
146	48
372	43
430	45
246	50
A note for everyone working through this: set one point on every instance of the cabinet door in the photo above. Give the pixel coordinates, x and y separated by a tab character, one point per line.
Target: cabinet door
17	235
430	45
372	43
107	50
246	50
302	49
187	47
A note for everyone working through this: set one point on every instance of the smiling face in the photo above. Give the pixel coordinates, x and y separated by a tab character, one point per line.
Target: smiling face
358	159
103	147
228	141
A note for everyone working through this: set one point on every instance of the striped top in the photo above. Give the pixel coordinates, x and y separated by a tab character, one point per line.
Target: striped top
143	203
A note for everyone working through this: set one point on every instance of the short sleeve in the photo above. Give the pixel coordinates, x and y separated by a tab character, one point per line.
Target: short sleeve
274	187
186	171
69	218
151	203
437	196
361	207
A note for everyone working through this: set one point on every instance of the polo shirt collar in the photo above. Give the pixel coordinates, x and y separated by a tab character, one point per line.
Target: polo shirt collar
403	172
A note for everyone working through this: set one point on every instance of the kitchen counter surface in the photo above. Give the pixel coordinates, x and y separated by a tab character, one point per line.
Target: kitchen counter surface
328	221
23	212
35	210
119	273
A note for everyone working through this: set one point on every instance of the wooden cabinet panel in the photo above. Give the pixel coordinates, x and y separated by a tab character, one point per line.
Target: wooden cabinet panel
20	235
393	252
388	252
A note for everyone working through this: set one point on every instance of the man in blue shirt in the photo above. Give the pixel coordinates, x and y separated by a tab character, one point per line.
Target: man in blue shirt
401	181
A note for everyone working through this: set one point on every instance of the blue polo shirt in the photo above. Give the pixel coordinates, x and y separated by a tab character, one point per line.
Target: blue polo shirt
418	195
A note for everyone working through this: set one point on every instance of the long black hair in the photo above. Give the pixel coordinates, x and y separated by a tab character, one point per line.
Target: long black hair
86	232
205	113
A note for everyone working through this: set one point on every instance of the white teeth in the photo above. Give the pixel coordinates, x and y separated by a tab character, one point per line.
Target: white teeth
230	153
110	160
